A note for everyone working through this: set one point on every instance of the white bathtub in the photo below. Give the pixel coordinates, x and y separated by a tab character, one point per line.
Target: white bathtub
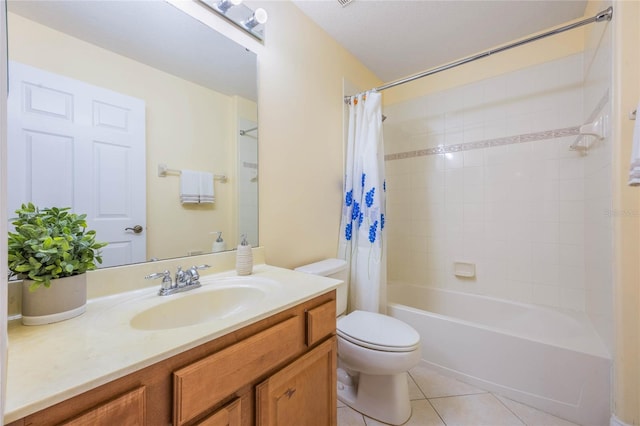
549	359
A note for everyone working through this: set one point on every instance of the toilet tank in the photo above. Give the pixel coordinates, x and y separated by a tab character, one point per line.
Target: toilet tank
332	268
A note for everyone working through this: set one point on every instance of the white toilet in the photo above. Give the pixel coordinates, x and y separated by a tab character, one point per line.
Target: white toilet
374	353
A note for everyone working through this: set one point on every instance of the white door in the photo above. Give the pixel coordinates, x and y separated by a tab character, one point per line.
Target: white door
72	144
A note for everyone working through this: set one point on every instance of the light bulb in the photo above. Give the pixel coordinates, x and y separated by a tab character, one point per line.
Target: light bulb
259	17
225	5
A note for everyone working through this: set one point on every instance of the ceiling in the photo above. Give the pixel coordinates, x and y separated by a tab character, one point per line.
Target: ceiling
169	40
398	38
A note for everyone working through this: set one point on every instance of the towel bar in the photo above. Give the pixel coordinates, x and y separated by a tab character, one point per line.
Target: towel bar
163	170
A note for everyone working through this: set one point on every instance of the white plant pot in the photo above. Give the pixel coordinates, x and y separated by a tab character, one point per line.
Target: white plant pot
65	298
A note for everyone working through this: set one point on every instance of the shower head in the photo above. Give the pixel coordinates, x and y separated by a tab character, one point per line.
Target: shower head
384	117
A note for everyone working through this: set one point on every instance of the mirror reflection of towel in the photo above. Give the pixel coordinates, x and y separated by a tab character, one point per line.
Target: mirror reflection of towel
206	188
189	187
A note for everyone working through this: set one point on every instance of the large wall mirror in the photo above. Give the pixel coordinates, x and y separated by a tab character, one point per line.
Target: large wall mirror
103	95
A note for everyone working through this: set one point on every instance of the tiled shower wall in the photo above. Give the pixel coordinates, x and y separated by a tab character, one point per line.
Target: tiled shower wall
483	173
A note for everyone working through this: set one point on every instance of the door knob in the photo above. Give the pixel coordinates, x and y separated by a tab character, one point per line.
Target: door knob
136	229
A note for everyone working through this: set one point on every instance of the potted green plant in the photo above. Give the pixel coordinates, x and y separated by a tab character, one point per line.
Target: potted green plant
51	249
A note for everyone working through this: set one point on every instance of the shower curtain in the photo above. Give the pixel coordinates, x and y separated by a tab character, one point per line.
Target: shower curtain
362	228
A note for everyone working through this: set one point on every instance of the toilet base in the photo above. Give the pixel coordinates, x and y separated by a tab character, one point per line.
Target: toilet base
382	397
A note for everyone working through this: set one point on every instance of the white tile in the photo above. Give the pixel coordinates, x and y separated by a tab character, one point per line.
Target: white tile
545	254
422	414
533	417
454	160
571	189
433	384
574	299
453	137
546	211
496	155
544	232
571	233
473	158
483	409
571	168
453	120
546	274
473	134
473	193
546	295
571	276
572	211
349	417
571	255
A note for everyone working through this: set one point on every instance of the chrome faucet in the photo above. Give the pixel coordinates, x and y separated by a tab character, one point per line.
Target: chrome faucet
185	280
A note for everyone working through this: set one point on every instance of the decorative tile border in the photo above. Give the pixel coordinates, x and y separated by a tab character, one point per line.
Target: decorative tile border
487	143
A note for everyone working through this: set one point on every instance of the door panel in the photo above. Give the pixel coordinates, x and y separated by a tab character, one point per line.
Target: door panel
72	144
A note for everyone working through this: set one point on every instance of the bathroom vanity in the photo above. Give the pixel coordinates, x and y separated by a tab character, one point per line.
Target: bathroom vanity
273	364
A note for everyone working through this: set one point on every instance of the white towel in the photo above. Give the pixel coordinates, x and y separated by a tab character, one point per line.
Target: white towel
206	187
634	172
189	187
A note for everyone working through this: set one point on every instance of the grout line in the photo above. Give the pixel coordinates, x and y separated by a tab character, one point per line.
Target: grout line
417	385
510	410
462	394
436	411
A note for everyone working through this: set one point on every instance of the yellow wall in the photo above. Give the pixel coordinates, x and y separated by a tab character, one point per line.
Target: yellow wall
188	127
301	139
626	94
301	71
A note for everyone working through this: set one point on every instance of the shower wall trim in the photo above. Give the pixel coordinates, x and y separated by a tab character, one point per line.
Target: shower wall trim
487	143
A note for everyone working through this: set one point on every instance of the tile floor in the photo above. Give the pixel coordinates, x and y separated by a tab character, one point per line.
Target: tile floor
437	400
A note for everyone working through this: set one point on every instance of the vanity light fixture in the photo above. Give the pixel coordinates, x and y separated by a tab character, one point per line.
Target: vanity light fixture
225	5
259	17
240	15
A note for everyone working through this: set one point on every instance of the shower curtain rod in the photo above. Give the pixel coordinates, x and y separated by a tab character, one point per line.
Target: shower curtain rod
244	132
604	15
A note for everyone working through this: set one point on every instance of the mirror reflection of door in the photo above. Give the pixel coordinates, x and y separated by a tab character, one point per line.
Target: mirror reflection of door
196	84
77	145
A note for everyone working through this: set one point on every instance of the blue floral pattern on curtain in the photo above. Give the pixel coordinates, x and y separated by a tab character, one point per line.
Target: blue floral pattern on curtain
363	212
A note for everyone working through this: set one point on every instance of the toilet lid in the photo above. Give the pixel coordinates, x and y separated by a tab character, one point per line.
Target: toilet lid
377	331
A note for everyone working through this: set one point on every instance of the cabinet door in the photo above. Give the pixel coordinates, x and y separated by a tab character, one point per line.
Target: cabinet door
127	409
229	415
303	393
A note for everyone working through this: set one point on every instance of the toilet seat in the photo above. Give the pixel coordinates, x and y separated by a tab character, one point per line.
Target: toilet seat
378	332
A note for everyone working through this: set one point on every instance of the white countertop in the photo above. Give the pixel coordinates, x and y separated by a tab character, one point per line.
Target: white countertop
50	363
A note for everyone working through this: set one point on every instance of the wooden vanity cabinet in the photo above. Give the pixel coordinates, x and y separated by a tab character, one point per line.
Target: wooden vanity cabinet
277	371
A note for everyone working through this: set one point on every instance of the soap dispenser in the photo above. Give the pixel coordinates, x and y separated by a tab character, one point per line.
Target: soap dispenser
219	244
244	258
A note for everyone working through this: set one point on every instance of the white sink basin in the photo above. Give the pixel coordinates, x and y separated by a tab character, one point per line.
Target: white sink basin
218	299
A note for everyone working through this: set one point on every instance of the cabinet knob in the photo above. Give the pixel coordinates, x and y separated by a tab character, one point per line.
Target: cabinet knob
289	392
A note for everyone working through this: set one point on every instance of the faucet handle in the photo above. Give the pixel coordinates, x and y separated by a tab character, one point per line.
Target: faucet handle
205	266
166	278
193	271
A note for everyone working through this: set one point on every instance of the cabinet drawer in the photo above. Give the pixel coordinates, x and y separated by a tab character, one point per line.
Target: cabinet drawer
321	322
229	415
127	409
205	383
